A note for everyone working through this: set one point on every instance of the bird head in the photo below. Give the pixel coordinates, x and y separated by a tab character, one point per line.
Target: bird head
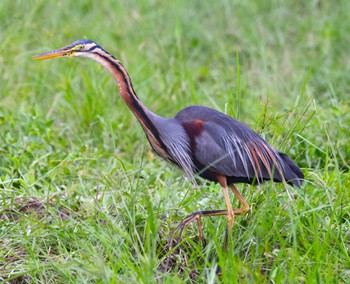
82	48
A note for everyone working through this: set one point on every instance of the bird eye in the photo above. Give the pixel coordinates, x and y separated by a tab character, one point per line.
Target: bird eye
78	47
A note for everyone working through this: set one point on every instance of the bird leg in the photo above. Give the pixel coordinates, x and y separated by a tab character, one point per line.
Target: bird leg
194	216
229	212
241	211
245	206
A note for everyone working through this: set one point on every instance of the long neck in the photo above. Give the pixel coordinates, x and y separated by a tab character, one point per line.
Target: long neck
126	90
123	80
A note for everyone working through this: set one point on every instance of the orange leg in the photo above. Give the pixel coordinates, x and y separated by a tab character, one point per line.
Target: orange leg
245	206
229	212
241	211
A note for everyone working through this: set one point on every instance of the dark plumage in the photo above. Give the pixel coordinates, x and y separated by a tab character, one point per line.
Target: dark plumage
223	145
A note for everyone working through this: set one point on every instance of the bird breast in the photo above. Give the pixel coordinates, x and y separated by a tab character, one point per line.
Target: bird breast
177	143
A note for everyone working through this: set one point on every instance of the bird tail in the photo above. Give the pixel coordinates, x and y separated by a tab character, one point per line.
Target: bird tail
291	172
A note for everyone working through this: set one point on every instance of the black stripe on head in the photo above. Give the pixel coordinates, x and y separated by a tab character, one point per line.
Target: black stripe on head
83	42
92	48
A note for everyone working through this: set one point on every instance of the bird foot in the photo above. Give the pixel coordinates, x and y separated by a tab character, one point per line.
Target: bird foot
195	216
182	226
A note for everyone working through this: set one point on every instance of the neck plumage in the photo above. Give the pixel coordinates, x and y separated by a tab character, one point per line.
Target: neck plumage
123	80
126	90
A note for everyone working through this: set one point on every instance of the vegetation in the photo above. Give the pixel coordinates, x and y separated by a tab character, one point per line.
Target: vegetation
85	200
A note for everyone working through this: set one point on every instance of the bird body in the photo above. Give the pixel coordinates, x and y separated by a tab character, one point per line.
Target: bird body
199	140
203	141
225	146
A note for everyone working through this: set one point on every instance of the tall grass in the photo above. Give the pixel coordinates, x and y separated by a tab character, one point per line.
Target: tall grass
85	200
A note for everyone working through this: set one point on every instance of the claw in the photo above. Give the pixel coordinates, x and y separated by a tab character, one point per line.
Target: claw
187	220
184	223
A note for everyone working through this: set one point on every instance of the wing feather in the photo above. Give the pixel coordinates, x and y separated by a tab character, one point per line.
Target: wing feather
231	148
234	153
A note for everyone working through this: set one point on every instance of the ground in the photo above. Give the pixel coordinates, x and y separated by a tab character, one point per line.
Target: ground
85	200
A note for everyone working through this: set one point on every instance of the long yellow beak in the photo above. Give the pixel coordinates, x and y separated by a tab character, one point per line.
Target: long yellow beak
54	54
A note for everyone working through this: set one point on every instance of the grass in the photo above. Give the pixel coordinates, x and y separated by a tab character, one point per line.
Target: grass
84	199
